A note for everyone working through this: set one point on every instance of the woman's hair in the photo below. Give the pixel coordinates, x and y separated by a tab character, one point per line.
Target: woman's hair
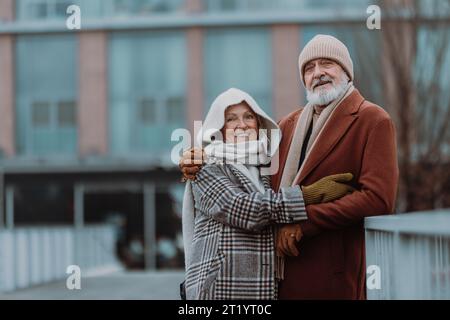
260	122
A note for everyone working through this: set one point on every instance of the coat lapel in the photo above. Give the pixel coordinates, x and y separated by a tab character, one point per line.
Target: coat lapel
334	130
246	182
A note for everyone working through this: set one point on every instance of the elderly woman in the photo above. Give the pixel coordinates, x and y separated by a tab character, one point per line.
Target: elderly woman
230	211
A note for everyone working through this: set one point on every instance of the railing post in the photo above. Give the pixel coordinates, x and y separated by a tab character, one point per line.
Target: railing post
78	225
7	261
79	205
2	198
370	259
10	207
150	226
400	272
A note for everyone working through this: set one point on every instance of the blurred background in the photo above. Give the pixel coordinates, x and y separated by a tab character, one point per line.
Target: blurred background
86	116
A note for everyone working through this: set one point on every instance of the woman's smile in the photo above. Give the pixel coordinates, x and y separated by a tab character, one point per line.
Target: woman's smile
241	124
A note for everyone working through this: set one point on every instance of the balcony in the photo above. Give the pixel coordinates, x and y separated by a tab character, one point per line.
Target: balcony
35	256
411	253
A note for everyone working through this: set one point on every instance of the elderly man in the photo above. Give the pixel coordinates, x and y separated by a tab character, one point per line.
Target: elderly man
337	131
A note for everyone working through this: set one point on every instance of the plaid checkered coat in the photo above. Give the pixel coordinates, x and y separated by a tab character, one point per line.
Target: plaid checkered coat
233	254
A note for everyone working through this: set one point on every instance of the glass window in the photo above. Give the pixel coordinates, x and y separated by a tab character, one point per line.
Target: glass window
143	7
429	8
42	9
175	109
283	5
38	10
239	58
41	114
147	90
57	9
47	90
148	111
66	114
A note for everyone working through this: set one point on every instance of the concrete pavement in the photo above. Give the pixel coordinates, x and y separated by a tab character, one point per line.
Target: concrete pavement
117	286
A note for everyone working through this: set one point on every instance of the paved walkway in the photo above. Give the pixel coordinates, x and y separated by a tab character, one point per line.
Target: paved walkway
117	286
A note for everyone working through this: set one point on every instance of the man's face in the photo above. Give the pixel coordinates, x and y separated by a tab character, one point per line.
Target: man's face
322	75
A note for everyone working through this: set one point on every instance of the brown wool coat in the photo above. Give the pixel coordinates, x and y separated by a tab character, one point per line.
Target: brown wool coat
359	138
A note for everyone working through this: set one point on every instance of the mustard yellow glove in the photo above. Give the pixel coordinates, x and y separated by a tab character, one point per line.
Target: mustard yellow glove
328	189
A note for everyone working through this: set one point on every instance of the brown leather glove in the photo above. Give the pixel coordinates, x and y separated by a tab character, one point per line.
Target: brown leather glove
287	237
191	162
328	189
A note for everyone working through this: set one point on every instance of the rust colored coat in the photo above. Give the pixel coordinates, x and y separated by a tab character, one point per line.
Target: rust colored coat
359	138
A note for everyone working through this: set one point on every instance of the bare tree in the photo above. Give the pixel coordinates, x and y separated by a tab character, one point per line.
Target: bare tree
405	68
416	63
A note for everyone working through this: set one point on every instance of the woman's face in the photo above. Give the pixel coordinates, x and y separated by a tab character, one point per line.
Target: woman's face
241	124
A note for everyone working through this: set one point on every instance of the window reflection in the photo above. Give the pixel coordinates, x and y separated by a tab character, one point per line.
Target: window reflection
56	9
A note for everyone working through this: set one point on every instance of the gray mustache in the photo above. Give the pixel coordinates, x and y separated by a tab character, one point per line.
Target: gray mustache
321	80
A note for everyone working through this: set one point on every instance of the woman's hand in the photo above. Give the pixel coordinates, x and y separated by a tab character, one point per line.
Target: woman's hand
191	162
328	189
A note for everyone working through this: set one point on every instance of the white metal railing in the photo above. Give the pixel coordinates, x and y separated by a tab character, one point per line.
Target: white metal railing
412	252
32	256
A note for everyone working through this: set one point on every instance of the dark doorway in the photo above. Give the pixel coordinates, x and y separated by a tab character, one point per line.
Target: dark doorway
43	204
126	211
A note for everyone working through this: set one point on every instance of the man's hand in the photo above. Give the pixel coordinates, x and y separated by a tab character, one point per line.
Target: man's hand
287	237
191	163
328	189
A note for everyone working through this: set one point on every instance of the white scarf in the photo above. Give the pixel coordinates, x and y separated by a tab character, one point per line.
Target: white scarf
244	156
249	153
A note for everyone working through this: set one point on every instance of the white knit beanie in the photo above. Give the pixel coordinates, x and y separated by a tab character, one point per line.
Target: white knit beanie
325	46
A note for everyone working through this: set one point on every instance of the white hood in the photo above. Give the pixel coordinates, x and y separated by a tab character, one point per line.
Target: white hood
215	118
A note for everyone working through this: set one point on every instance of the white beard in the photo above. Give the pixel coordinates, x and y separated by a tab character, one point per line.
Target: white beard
323	97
